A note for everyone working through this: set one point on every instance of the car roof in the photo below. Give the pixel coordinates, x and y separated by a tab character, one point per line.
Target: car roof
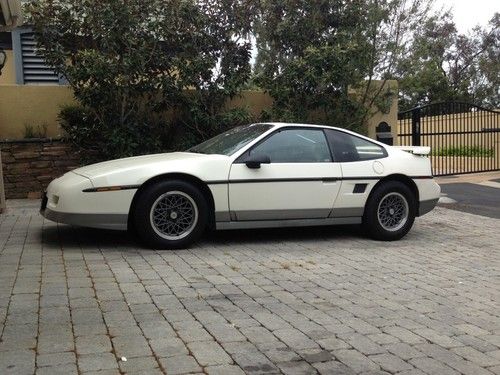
292	124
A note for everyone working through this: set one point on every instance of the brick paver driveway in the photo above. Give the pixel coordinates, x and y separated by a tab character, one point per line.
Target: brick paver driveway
290	301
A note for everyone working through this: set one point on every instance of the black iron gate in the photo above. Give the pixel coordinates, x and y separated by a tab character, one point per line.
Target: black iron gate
464	138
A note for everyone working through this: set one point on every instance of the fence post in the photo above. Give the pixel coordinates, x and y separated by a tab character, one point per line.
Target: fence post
415	127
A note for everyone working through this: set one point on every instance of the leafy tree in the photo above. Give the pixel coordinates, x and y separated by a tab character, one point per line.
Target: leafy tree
444	65
130	61
319	58
309	52
485	82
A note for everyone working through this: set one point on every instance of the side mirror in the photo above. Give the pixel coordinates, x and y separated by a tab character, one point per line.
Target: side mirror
254	161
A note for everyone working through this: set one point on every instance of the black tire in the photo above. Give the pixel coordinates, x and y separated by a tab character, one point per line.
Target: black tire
153	235
387	225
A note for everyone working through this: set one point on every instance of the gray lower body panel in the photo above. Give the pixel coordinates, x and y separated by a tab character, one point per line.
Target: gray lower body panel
347	212
103	221
280	214
427	206
287	223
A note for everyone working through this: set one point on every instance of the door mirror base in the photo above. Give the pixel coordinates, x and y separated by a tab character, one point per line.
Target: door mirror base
254	161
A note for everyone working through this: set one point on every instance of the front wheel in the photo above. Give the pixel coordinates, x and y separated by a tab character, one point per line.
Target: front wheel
170	215
390	211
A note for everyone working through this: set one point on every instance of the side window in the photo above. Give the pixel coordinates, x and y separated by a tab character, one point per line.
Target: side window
295	146
346	147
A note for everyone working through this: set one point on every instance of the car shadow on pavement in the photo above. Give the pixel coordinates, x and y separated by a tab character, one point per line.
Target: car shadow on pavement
62	236
297	234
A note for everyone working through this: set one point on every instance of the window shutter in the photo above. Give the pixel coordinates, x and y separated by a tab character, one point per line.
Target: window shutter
35	71
30	66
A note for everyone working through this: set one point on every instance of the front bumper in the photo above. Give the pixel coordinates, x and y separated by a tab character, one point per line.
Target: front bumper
65	202
102	221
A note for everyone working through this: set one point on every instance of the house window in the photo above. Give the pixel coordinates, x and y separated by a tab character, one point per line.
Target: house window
31	68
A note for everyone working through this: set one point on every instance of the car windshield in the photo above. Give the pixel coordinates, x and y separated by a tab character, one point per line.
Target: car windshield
232	140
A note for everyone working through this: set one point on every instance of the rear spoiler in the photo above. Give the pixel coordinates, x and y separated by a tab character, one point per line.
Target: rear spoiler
416	150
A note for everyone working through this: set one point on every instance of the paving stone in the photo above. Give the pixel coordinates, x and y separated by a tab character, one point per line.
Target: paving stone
382	338
93	344
168	347
138	364
131	346
472	330
296	368
254	363
184	364
62	369
333	368
53	359
403	351
295	339
298	301
224	370
362	343
404	335
258	334
476	356
315	355
55	343
95	362
390	363
224	332
451	359
109	372
240	347
194	334
333	343
476	343
271	321
17	362
431	366
355	360
437	338
157	330
281	355
209	353
90	329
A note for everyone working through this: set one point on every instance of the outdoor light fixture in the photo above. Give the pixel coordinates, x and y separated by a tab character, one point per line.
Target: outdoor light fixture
3	58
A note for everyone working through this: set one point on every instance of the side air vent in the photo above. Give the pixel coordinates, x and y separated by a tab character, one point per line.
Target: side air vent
359	188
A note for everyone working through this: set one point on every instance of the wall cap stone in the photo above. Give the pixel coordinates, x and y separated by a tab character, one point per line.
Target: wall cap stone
31	140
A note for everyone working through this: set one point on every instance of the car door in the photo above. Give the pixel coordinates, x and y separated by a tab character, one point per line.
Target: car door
299	182
363	165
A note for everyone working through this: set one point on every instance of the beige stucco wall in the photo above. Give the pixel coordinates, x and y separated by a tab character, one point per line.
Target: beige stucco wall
22	105
8	76
254	101
391	116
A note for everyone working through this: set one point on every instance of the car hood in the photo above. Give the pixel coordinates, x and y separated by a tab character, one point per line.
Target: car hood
137	162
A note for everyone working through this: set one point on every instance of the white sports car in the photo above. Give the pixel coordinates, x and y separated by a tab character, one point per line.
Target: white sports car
252	176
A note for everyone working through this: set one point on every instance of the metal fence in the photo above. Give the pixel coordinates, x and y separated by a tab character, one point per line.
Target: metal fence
464	138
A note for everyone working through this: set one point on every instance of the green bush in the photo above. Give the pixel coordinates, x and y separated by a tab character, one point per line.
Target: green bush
465	151
35	131
100	142
131	62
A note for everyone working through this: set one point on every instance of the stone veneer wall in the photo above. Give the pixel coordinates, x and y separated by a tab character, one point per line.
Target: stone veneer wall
29	165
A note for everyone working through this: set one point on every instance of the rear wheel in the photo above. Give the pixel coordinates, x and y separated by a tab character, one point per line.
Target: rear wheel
170	215
390	211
